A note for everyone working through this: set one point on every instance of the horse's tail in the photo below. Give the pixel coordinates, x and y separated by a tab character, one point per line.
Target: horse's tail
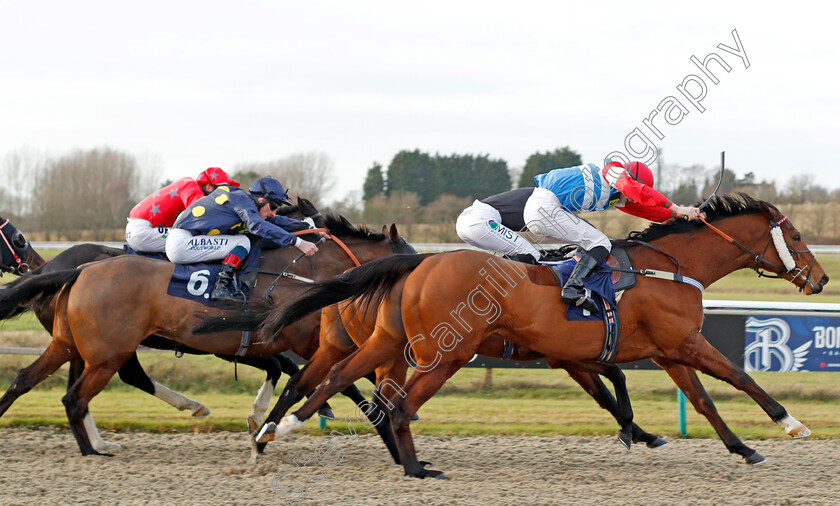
16	297
370	283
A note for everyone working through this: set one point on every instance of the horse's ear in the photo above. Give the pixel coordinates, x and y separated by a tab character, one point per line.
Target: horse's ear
770	212
393	234
384	229
306	207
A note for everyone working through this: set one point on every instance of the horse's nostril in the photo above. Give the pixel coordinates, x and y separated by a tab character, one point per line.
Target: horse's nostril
824	280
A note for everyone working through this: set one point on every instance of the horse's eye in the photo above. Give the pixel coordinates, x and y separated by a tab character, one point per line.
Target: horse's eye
796	238
19	240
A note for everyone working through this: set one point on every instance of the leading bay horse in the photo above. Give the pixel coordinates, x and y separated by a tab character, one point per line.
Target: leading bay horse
104	310
17	256
659	319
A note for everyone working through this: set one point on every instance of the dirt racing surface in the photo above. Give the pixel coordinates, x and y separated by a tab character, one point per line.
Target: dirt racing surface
42	466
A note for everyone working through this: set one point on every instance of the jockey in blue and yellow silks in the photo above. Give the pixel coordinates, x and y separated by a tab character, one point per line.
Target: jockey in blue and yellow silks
212	227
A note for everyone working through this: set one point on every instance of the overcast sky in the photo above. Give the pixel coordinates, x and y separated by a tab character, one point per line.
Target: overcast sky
198	84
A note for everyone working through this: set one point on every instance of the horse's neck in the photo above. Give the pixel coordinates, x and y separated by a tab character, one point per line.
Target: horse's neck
703	255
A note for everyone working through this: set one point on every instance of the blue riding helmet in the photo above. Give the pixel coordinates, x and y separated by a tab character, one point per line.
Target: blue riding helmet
269	188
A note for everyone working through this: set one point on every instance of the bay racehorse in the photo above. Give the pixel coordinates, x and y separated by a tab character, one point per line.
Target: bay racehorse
19	257
659	319
104	310
347	325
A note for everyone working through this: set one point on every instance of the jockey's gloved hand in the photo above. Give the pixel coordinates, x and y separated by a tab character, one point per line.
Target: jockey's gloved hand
687	212
307	248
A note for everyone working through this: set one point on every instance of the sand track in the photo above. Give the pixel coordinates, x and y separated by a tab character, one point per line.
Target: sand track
43	466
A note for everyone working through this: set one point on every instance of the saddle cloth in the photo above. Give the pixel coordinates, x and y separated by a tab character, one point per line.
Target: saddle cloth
196	281
604	282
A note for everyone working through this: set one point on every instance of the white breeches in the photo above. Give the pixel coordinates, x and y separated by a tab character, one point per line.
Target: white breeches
184	248
142	236
480	225
545	217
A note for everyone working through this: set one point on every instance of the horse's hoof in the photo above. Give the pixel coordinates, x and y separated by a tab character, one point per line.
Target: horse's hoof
106	446
288	424
201	411
656	443
625	439
800	431
441	476
415	418
794	427
253	424
94	452
266	434
326	412
755	459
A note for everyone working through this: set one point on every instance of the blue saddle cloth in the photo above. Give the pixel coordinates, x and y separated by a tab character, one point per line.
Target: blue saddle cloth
196	281
598	282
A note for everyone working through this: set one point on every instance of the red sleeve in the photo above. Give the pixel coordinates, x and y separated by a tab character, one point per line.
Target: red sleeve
190	192
640	193
647	212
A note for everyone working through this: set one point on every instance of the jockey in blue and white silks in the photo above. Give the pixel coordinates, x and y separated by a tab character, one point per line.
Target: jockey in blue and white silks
211	228
548	211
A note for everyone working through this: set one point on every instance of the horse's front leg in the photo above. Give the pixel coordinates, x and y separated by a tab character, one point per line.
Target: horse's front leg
696	351
686	379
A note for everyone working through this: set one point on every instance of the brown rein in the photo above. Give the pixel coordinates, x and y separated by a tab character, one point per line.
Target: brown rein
333	238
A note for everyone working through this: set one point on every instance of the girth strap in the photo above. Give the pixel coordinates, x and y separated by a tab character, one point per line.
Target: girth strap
244	343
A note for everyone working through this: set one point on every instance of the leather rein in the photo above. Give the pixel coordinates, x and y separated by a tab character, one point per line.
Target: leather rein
285	274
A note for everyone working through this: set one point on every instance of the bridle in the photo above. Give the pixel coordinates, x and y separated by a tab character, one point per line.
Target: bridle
785	253
22	267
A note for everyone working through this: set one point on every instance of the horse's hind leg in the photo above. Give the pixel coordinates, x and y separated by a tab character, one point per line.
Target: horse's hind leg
77	366
687	380
53	357
133	374
378	349
419	389
593	385
325	357
90	383
696	352
290	369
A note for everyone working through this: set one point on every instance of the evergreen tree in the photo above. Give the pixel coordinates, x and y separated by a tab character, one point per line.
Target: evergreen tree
374	182
539	163
410	171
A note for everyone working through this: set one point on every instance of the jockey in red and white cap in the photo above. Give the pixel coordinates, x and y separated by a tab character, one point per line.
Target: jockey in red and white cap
548	210
150	219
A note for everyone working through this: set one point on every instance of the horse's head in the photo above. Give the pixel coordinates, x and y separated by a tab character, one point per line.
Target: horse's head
398	243
18	256
789	258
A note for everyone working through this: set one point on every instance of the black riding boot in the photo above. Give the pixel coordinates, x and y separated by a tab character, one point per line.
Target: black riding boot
574	291
221	290
524	258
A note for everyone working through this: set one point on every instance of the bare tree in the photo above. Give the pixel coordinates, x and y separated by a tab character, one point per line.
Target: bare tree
86	190
310	175
19	173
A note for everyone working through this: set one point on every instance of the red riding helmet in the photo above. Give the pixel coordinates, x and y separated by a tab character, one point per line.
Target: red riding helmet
214	176
637	170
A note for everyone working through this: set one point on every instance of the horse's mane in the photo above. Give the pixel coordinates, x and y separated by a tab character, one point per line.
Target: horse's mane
722	206
340	226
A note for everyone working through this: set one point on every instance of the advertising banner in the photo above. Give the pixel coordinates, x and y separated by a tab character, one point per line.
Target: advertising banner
792	343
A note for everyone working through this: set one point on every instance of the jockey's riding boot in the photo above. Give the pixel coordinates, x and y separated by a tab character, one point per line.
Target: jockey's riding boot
221	290
573	290
524	258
